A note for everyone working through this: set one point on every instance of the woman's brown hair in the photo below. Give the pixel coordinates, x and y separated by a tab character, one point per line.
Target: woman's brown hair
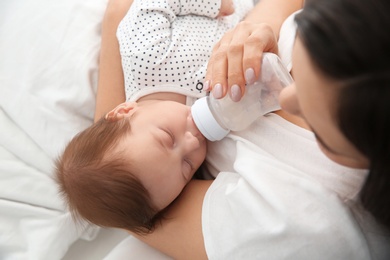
348	40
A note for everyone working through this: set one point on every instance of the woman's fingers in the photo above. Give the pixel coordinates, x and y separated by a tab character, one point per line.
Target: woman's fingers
216	76
236	59
262	39
235	56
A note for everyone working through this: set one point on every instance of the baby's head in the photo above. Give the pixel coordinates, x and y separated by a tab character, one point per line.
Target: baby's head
123	170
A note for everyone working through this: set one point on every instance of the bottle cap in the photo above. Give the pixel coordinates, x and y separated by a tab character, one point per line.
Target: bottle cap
205	121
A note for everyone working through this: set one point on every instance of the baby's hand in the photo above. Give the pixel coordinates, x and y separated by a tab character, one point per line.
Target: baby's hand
227	8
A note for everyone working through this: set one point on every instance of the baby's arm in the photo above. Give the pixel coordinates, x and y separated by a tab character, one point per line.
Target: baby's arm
227	8
160	41
208	8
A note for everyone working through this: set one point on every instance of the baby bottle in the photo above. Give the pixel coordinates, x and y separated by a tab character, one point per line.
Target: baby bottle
215	118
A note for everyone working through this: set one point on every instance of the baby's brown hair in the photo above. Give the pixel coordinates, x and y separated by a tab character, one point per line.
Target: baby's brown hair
95	181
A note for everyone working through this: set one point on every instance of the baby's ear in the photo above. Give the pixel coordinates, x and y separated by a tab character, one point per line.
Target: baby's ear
121	111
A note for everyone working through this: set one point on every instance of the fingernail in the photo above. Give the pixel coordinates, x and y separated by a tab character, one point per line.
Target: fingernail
235	93
249	76
217	91
206	85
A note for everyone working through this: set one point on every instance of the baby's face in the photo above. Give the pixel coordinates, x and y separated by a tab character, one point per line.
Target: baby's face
165	146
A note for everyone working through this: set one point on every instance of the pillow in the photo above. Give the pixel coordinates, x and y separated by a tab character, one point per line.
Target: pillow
48	77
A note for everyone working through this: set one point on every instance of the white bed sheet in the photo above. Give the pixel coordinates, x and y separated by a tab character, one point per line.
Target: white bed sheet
48	73
98	248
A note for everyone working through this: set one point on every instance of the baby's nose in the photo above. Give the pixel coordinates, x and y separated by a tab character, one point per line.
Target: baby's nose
191	142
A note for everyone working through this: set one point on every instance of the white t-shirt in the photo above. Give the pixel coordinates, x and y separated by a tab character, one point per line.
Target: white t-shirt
278	197
165	45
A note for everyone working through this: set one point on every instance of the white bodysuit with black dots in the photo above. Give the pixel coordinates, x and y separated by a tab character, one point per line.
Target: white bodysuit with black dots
165	44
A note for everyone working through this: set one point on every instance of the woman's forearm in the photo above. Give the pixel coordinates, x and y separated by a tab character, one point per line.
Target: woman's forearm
273	12
111	90
180	233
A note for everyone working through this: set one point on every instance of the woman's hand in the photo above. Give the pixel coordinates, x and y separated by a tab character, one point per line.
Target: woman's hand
236	59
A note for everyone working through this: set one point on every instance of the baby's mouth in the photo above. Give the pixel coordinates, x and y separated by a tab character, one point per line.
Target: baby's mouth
194	129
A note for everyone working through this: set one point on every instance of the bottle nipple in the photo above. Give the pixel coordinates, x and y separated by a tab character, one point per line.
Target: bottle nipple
206	122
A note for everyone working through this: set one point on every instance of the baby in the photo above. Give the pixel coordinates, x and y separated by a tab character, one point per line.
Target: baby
130	165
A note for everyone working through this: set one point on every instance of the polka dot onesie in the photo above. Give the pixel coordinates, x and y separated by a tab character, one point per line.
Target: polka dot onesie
165	44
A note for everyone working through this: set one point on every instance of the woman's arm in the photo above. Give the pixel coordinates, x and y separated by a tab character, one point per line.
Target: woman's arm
111	90
180	233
